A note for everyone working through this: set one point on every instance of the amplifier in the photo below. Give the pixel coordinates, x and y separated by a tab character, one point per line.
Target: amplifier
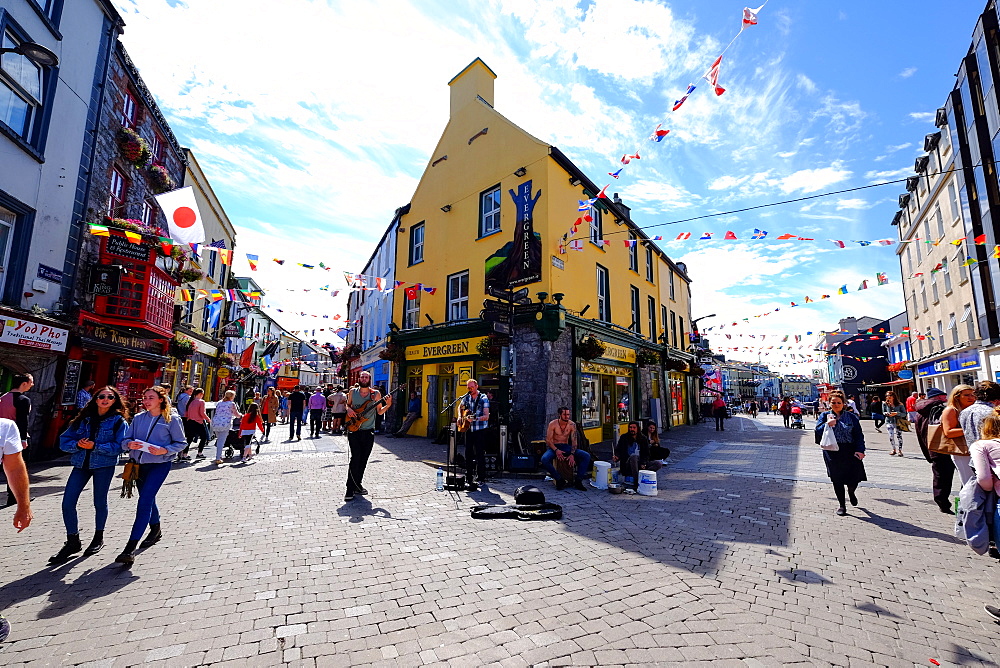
454	483
522	463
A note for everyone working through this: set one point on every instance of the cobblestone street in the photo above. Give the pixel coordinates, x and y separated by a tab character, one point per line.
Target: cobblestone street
738	561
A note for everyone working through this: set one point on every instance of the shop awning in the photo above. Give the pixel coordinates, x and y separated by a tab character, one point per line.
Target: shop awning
891	382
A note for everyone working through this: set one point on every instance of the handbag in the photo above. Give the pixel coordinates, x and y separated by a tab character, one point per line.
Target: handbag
828	441
902	424
129	477
943	445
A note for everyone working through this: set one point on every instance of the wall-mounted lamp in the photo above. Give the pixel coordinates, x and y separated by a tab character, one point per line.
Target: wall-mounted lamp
558	297
542	296
585	308
393	327
400	230
573	181
36	53
520	171
446	208
429	318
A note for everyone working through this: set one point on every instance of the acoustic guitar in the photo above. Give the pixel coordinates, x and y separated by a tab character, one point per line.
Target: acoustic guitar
464	421
364	411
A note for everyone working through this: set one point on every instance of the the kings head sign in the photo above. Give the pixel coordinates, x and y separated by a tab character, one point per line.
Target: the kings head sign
519	262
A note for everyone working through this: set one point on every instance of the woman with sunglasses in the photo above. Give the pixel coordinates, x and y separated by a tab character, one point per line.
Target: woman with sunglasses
94	439
153	440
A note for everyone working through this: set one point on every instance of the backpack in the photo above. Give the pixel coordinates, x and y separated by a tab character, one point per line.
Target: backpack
934	415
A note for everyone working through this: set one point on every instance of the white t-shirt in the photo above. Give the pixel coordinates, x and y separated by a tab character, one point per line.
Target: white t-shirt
10	437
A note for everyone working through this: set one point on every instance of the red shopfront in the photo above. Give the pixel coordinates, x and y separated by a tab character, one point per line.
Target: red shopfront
123	341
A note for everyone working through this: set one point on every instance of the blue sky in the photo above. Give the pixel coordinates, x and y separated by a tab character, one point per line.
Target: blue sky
315	119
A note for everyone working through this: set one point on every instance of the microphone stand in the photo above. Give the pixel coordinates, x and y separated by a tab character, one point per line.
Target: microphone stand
453	482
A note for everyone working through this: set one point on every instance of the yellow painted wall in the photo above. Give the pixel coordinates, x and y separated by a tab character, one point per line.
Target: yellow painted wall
451	242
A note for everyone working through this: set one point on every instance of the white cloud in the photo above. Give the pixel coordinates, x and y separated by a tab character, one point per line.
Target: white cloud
787	154
922	115
888	175
908	72
854	203
806	83
727	182
811	180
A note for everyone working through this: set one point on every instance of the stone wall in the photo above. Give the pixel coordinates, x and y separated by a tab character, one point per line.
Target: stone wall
544	380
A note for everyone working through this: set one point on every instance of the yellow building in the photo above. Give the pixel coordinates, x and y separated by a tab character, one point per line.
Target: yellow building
491	216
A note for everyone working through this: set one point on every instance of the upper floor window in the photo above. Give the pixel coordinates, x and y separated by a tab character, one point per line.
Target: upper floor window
417	243
940	220
458	296
947	276
673	329
636	312
963	272
683	337
651	315
596	231
148	214
603	295
411	310
489	212
8	219
649	263
672	295
22	83
128	110
663	323
633	253
213	259
116	198
953	201
970	322
156	149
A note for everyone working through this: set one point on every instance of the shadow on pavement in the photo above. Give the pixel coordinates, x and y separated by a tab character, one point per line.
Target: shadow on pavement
64	597
905	528
357	510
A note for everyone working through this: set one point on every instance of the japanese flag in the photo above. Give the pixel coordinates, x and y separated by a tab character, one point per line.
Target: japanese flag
183	218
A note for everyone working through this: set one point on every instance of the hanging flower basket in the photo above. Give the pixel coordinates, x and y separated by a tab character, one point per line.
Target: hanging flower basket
159	179
488	348
394	353
696	371
675	365
189	275
646	357
590	347
133	148
181	346
350	350
227	359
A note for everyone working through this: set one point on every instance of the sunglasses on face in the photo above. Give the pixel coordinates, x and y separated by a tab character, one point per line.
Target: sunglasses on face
109	397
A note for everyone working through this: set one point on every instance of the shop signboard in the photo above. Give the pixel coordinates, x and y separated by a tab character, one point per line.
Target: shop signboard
119	338
33	335
71	382
122	247
456	348
287	383
105	280
618	353
957	362
223	373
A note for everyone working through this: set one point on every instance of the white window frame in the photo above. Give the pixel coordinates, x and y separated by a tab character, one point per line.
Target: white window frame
596	226
923	294
417	245
633	252
935	298
603	294
489	218
967	317
940	221
956	211
129	111
947	276
148	214
650	274
953	328
458	303
8	221
411	312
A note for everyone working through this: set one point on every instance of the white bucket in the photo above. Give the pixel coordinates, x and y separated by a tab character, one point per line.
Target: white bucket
647	483
602	474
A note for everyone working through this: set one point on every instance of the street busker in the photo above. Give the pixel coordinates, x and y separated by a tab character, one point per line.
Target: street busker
844	465
152	440
249	425
632	454
94	438
942	466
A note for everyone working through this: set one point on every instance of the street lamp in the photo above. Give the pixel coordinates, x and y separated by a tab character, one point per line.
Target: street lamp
36	53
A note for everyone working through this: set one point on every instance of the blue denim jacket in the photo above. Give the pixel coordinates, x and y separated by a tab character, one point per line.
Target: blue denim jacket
107	444
157	431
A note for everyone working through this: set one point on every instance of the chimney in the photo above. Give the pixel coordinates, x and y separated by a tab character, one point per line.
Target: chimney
618	201
472	83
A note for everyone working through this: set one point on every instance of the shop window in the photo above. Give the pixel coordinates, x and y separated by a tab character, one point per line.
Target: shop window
489	212
636	310
128	115
116	197
651	304
458	297
417	243
411	312
590	409
649	262
596	231
603	295
633	252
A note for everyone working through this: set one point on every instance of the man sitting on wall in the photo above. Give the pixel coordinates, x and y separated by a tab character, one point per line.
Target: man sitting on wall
562	442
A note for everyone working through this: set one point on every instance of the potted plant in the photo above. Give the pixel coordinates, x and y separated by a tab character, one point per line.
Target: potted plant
134	149
189	275
590	347
181	346
159	179
647	357
393	352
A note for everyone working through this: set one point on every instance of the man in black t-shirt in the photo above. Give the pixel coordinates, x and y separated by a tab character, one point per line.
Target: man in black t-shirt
296	410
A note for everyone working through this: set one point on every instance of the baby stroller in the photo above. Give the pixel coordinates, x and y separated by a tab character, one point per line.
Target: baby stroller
233	443
797	422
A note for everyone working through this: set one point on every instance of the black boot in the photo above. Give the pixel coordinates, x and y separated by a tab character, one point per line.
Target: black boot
69	548
153	537
96	545
127	557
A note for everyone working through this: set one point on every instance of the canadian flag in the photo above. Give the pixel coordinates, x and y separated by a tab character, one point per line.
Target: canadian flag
183	219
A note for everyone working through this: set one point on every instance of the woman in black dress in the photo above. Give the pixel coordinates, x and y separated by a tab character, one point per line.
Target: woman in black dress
844	466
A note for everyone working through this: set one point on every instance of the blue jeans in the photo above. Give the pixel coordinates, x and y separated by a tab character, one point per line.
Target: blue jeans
582	461
151	478
74	488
